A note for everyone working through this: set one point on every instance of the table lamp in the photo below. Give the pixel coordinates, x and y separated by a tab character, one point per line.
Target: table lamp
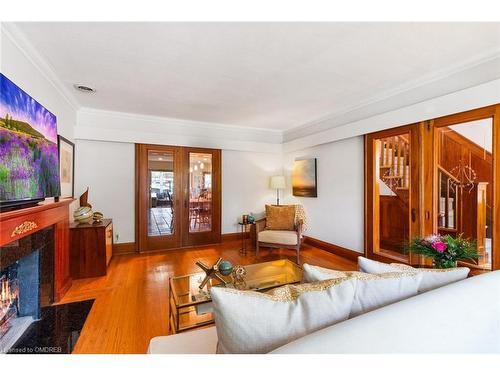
277	182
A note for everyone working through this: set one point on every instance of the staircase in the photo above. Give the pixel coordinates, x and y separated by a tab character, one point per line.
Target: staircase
395	165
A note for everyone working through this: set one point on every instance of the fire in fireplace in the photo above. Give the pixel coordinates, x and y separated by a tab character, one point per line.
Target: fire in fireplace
9	297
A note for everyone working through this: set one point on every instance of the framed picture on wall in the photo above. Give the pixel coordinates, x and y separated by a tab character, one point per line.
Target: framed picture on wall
304	180
66	166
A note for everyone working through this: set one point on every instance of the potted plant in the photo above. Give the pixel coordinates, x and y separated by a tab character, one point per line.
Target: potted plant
446	250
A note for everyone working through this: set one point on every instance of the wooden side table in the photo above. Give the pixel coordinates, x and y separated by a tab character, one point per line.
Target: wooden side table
243	236
91	248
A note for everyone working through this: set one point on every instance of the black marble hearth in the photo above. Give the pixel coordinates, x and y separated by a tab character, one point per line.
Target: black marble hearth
56	332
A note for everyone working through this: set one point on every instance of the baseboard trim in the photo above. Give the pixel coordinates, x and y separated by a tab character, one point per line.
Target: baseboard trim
236	236
334	249
124	248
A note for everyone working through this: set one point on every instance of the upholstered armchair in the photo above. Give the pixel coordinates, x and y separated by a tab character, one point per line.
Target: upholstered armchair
281	234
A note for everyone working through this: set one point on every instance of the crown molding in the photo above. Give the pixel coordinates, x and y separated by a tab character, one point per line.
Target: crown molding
16	36
96	124
458	101
474	71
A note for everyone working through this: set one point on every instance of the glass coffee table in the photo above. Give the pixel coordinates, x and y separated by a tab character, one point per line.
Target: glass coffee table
191	308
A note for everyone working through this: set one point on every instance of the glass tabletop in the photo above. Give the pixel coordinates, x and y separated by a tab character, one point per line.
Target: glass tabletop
259	277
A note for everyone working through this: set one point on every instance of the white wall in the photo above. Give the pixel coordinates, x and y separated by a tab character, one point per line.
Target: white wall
108	168
245	184
336	215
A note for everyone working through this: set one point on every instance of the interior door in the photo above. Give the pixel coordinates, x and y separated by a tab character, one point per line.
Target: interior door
201	196
178	197
158	197
465	181
392	192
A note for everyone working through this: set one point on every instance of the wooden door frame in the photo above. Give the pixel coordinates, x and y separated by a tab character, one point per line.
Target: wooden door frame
492	112
371	224
214	236
142	200
427	171
180	187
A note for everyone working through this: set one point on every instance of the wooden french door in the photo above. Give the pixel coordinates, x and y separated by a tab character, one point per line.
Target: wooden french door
178	201
201	219
392	192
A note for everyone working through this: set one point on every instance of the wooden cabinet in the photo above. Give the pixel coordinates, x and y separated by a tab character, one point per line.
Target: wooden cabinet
91	248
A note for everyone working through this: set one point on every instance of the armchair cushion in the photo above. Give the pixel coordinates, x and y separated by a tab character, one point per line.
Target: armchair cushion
280	217
283	237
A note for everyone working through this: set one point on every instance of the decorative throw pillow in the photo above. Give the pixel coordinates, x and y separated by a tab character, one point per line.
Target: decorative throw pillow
280	217
372	290
253	322
432	278
372	266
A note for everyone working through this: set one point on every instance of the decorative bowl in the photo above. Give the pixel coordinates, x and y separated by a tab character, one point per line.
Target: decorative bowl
83	214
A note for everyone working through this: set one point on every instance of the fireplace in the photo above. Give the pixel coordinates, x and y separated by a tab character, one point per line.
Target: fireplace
26	283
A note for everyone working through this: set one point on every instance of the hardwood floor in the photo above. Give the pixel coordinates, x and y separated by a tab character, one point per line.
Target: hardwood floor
131	302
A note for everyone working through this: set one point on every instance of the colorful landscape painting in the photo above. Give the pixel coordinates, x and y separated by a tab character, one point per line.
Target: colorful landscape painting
29	165
304	178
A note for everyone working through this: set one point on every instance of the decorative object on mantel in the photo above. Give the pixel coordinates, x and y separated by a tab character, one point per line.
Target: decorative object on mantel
97	217
304	180
278	183
446	250
66	166
211	272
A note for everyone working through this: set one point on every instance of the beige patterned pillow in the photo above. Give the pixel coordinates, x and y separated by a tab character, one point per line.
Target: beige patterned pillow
280	217
372	290
433	278
252	322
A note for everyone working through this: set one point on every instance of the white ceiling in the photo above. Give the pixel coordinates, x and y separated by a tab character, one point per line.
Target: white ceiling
263	75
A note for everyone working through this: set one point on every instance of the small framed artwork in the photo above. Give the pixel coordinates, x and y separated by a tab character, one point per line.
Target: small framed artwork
304	181
66	166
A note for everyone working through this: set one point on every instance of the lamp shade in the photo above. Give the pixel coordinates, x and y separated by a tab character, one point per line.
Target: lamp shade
277	182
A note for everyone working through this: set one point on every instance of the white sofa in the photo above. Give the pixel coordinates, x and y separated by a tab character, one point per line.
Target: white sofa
463	317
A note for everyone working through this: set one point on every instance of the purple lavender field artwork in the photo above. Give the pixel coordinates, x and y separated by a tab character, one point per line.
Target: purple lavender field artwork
29	166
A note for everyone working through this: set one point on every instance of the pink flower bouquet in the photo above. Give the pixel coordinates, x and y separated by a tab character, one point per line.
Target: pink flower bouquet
446	250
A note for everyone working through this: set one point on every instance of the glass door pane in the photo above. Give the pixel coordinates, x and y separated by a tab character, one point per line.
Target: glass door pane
200	192
392	193
161	193
465	184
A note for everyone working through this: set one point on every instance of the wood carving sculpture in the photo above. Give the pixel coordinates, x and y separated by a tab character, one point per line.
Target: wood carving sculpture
211	273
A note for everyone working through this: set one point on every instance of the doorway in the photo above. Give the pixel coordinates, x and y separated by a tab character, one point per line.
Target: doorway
392	196
177	197
438	176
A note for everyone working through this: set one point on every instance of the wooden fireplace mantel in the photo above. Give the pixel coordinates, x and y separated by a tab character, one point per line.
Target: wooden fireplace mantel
20	223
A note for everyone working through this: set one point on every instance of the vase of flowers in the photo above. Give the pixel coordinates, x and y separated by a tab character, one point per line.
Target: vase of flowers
446	250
